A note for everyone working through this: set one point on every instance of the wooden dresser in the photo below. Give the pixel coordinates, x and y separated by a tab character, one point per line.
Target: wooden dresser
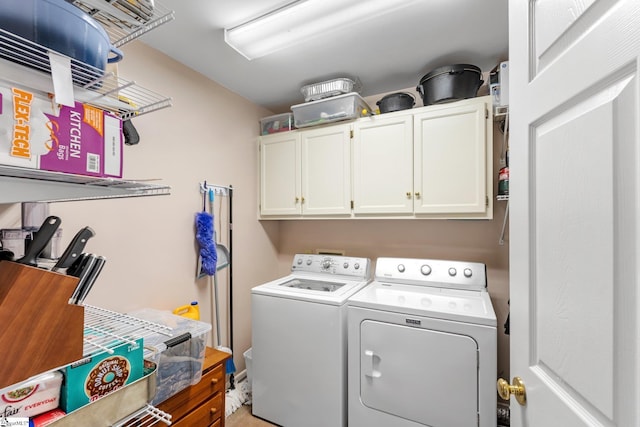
202	404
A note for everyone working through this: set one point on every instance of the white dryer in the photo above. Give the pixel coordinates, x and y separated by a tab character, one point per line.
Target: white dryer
299	341
422	346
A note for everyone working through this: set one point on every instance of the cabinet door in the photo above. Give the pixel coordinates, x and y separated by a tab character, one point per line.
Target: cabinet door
326	170
280	174
383	165
450	159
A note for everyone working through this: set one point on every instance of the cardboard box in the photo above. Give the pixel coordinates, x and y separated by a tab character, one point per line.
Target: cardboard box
36	133
89	379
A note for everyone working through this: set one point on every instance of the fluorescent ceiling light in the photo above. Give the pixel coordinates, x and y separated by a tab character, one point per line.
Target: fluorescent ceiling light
303	20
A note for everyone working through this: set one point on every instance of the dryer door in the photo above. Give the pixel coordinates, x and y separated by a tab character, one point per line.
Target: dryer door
425	376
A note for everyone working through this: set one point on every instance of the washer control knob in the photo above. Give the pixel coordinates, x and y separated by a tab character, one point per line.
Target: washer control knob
326	263
468	272
308	262
425	270
401	268
345	265
356	265
452	272
299	261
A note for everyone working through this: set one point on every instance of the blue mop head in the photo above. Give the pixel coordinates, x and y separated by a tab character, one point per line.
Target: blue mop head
204	236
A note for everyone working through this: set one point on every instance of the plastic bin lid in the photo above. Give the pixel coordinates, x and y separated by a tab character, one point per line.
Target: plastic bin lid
179	326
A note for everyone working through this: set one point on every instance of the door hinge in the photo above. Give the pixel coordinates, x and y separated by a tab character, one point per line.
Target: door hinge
486	113
486	201
351	134
352	204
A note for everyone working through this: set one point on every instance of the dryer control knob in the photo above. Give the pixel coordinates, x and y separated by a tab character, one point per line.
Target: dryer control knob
308	262
356	265
468	272
425	270
452	271
299	261
401	268
345	265
326	263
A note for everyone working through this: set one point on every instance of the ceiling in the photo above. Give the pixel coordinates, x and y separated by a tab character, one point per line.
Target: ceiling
386	53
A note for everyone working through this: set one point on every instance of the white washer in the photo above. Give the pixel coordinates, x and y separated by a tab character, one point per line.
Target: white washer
422	346
299	341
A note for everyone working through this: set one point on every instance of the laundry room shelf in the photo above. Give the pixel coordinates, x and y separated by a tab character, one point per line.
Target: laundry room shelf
126	20
33	185
25	63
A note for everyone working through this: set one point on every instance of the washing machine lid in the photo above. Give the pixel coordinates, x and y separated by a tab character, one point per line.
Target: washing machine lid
439	303
328	279
313	288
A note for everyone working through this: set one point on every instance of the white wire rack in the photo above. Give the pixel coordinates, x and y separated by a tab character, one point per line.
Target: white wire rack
24	184
147	416
126	20
104	329
25	63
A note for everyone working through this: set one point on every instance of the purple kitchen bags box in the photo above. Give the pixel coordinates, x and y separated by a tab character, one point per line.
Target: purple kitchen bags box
36	133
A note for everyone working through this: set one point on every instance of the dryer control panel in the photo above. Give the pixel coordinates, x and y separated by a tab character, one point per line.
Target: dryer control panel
330	264
430	272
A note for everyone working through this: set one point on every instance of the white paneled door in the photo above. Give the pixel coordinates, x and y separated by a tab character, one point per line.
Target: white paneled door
575	211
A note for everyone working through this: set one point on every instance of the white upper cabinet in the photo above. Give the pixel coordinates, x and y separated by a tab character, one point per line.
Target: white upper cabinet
326	170
280	174
428	162
306	173
452	155
383	165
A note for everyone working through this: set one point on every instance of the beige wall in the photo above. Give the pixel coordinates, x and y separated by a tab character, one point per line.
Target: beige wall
208	134
211	134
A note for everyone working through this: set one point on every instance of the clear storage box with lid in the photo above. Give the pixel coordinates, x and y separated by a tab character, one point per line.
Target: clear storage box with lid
179	354
277	123
328	110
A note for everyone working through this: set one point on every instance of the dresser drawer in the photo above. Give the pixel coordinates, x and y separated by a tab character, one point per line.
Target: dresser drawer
187	399
209	413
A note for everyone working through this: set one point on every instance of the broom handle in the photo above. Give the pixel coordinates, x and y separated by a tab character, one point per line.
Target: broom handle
230	268
215	289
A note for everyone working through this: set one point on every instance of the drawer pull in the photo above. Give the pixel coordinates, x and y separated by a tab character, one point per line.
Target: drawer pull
214	381
213	411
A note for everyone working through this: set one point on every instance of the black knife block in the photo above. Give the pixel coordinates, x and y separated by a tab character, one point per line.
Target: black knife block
39	329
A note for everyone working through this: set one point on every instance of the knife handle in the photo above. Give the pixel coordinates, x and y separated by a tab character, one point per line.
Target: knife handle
40	240
73	251
91	279
86	264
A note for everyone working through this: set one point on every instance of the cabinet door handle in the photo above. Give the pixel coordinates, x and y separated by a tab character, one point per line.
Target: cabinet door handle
297	200
303	200
408	194
417	195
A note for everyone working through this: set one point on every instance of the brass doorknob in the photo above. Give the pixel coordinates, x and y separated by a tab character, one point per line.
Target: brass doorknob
505	390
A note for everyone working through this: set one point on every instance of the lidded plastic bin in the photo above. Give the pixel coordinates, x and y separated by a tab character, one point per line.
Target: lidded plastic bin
179	355
342	107
277	123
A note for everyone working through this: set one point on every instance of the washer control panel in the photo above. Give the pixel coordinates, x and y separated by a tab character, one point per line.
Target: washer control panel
331	264
434	273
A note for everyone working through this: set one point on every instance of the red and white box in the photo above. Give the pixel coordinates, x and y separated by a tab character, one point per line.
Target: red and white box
33	397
